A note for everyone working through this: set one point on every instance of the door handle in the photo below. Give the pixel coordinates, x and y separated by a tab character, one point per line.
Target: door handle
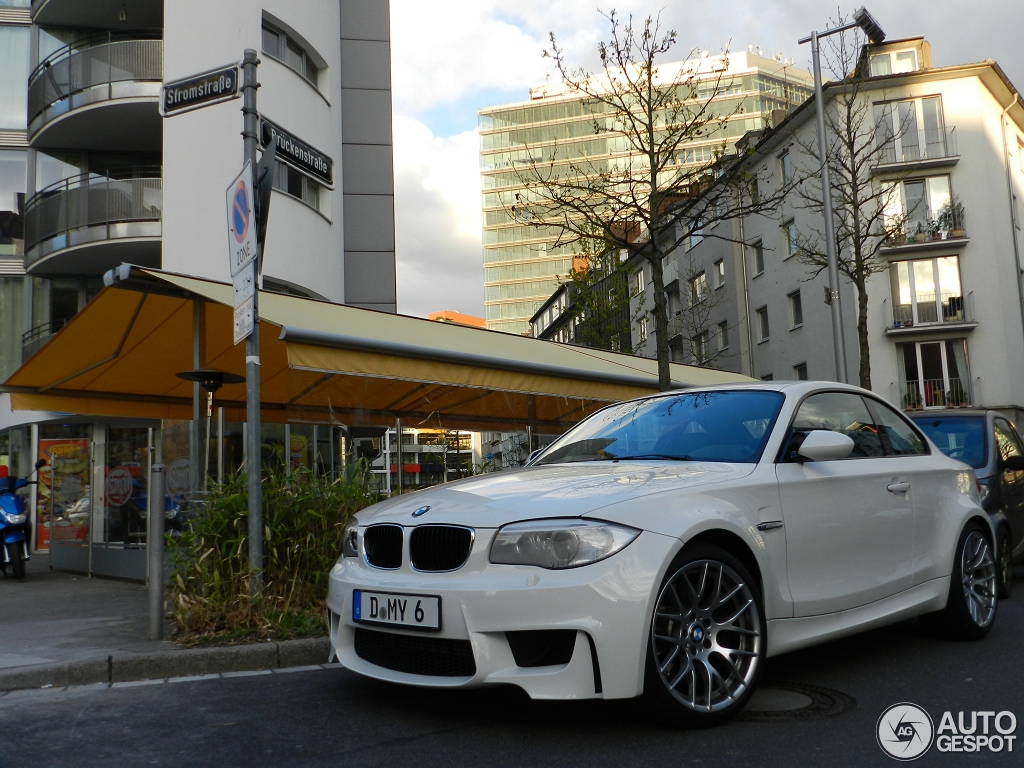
901	486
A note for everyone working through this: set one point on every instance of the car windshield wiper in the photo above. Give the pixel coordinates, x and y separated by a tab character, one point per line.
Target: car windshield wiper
666	456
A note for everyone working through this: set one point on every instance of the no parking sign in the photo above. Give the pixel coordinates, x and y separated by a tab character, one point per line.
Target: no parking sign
242	250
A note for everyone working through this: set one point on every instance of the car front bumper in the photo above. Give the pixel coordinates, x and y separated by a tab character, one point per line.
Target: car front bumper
607	603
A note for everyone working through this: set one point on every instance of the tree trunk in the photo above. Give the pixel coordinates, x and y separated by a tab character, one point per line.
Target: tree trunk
862	336
660	323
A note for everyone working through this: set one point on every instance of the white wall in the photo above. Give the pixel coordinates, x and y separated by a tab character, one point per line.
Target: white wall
203	149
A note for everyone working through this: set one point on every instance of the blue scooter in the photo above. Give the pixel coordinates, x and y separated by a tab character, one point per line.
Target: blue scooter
15	531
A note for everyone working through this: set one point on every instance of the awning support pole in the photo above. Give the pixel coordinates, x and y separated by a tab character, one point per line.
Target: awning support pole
401	467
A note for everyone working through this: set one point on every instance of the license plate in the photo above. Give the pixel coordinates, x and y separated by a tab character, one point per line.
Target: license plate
412	611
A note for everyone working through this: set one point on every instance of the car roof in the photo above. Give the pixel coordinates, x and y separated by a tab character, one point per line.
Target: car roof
944	413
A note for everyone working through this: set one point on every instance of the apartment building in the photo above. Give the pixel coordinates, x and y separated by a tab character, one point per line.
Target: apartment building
523	264
945	314
92	176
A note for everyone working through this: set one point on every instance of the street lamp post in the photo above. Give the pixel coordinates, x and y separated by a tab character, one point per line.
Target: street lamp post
866	22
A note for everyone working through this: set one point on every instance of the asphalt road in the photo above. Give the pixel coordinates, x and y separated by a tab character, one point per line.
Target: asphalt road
334	718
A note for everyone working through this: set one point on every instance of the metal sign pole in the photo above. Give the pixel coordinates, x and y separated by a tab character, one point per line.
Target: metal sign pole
155	544
252	346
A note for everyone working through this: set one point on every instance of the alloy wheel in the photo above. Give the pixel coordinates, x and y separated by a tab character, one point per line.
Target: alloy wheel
978	570
706	636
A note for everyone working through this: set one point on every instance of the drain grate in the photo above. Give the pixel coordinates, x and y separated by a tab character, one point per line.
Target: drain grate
780	702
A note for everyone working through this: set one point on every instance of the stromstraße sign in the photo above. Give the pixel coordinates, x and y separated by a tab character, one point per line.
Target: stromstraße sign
199	90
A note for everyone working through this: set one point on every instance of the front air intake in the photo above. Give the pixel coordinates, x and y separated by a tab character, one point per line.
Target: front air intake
439	547
383	546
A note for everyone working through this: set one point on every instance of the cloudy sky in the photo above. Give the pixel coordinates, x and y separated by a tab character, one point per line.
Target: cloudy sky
452	57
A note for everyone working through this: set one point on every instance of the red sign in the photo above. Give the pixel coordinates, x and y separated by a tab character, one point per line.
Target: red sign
118	488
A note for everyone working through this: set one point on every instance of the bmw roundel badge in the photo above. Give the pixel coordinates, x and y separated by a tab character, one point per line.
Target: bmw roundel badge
421	511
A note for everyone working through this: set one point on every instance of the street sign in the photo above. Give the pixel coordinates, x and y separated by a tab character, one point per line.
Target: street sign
241	222
245	286
200	90
244	319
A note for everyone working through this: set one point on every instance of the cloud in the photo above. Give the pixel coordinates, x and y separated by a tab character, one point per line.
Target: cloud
437	220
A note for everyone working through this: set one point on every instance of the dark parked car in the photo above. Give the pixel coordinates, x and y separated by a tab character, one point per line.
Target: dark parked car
989	442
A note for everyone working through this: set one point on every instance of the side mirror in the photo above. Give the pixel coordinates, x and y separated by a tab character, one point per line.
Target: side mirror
534	455
825	445
40	463
1012	464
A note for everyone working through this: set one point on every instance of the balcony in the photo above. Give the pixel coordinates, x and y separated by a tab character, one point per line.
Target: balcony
918	150
86	14
928	312
88	224
922	394
100	93
948	229
33	340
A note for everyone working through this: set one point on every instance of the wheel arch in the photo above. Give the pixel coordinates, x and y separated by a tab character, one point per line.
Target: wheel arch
735	546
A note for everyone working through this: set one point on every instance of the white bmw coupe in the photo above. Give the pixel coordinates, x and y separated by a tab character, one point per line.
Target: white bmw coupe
665	547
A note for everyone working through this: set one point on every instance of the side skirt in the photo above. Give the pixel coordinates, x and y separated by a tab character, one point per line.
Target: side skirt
785	635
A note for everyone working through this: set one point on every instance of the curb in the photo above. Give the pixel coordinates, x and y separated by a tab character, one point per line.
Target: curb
187	662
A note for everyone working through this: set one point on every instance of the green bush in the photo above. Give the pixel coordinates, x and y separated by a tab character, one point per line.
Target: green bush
303	517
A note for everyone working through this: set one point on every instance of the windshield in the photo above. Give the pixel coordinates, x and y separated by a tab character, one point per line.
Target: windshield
700	426
959	438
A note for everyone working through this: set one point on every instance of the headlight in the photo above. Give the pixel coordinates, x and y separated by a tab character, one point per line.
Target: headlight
14	519
350	539
559	543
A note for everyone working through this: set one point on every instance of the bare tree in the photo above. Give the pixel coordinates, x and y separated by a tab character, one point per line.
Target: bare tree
868	213
692	322
644	185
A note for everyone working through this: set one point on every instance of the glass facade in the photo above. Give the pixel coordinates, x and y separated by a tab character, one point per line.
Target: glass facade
561	128
14	40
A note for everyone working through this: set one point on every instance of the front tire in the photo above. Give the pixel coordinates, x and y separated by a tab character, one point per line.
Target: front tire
1004	549
971	606
707	640
16	560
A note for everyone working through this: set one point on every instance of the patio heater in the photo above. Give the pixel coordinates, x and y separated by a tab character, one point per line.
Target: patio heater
867	24
210	379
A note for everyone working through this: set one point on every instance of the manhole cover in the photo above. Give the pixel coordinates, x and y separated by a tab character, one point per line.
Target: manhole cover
775	702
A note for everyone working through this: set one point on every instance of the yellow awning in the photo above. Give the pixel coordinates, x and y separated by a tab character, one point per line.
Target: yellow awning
321	362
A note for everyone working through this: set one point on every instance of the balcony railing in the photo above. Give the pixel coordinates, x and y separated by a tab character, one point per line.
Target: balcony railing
95	63
91	207
935	393
919	146
919	229
932	309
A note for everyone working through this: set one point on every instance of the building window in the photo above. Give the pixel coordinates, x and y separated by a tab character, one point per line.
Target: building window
768	377
14	55
893	62
800	372
723	335
786	167
935	374
1020	155
924	209
638	283
762	323
796	310
697	235
789	237
700	345
926	291
641	329
698	288
719	273
755	192
910	130
278	45
298	185
758	258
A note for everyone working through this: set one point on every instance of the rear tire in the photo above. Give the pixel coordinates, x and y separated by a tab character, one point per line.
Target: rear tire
1004	550
706	642
16	560
971	606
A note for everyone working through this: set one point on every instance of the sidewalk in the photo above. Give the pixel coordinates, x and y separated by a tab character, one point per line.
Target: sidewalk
64	629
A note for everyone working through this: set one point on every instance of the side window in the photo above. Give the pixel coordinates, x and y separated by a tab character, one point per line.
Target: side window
903	438
842	412
1006	440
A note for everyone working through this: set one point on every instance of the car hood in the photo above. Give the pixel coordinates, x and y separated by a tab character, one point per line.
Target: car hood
560	490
